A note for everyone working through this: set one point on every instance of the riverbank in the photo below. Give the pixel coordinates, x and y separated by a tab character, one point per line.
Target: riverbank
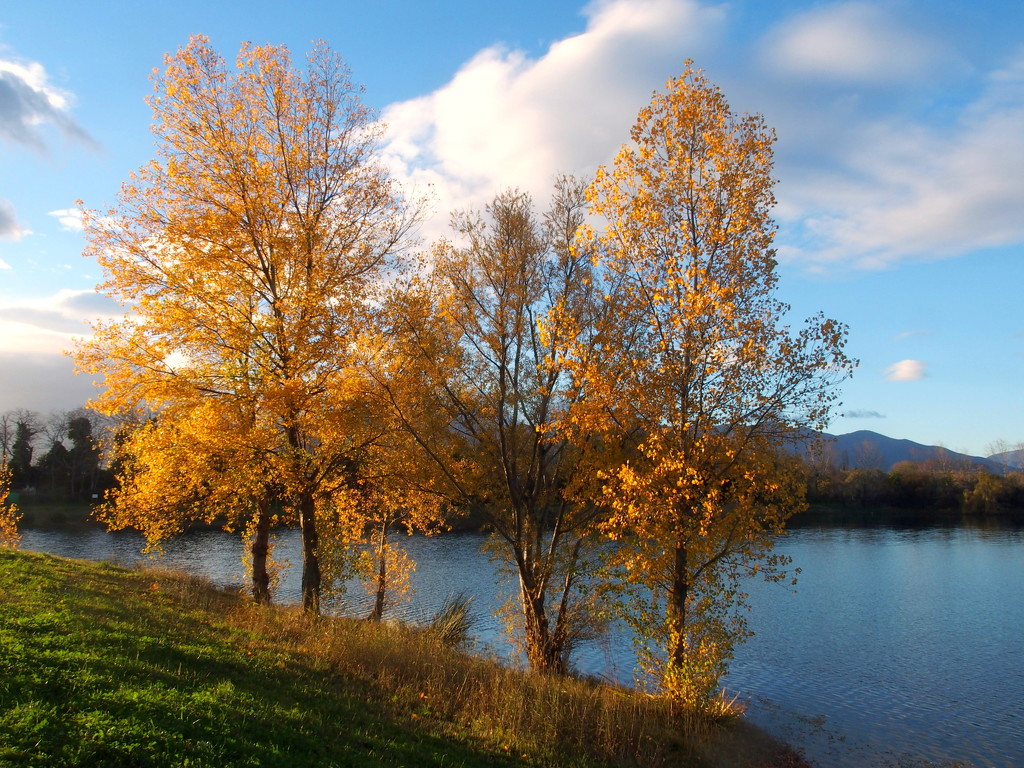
109	666
59	515
55	515
834	515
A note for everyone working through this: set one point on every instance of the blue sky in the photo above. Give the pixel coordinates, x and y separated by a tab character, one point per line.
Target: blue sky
900	157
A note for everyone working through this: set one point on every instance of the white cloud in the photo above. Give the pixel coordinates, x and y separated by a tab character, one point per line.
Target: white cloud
865	179
41	382
862	414
895	188
69	218
47	326
10	229
905	370
851	42
28	101
507	120
35	335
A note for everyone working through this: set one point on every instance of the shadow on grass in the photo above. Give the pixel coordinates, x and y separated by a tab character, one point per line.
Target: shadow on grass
102	666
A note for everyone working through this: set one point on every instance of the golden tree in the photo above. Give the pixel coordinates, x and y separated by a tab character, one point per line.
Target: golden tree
9	514
698	371
250	251
198	464
383	567
478	384
395	492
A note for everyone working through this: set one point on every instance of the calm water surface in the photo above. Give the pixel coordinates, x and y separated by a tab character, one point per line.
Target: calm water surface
899	648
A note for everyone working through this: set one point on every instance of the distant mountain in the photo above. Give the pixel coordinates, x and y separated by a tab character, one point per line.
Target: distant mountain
869	450
1014	459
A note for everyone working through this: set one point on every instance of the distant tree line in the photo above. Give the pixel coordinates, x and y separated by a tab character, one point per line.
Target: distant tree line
58	457
54	458
919	490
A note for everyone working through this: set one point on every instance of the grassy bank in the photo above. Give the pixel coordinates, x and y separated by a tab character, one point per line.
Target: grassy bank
104	666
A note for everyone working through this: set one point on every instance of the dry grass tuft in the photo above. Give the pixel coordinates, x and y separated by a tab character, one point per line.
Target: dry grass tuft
425	678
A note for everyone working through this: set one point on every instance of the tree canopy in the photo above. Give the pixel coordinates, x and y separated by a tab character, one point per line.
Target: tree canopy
616	375
9	515
699	372
250	251
479	384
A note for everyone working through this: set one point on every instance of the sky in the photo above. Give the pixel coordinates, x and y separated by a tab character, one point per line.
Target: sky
899	160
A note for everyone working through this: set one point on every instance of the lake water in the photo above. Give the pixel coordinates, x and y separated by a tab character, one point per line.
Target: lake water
900	648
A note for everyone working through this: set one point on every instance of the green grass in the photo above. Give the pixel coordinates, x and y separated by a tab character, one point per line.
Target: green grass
104	666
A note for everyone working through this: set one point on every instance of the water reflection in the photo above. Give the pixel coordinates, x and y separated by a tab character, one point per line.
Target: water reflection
898	645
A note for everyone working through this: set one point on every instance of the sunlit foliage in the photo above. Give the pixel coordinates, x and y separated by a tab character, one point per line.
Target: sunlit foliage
249	252
9	515
699	371
204	463
632	378
478	385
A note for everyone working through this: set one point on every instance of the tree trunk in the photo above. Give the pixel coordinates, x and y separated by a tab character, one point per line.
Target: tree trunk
543	652
677	607
260	553
310	562
382	579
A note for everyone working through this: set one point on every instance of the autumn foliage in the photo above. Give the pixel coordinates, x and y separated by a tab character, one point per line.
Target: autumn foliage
249	252
478	377
615	377
9	515
700	373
